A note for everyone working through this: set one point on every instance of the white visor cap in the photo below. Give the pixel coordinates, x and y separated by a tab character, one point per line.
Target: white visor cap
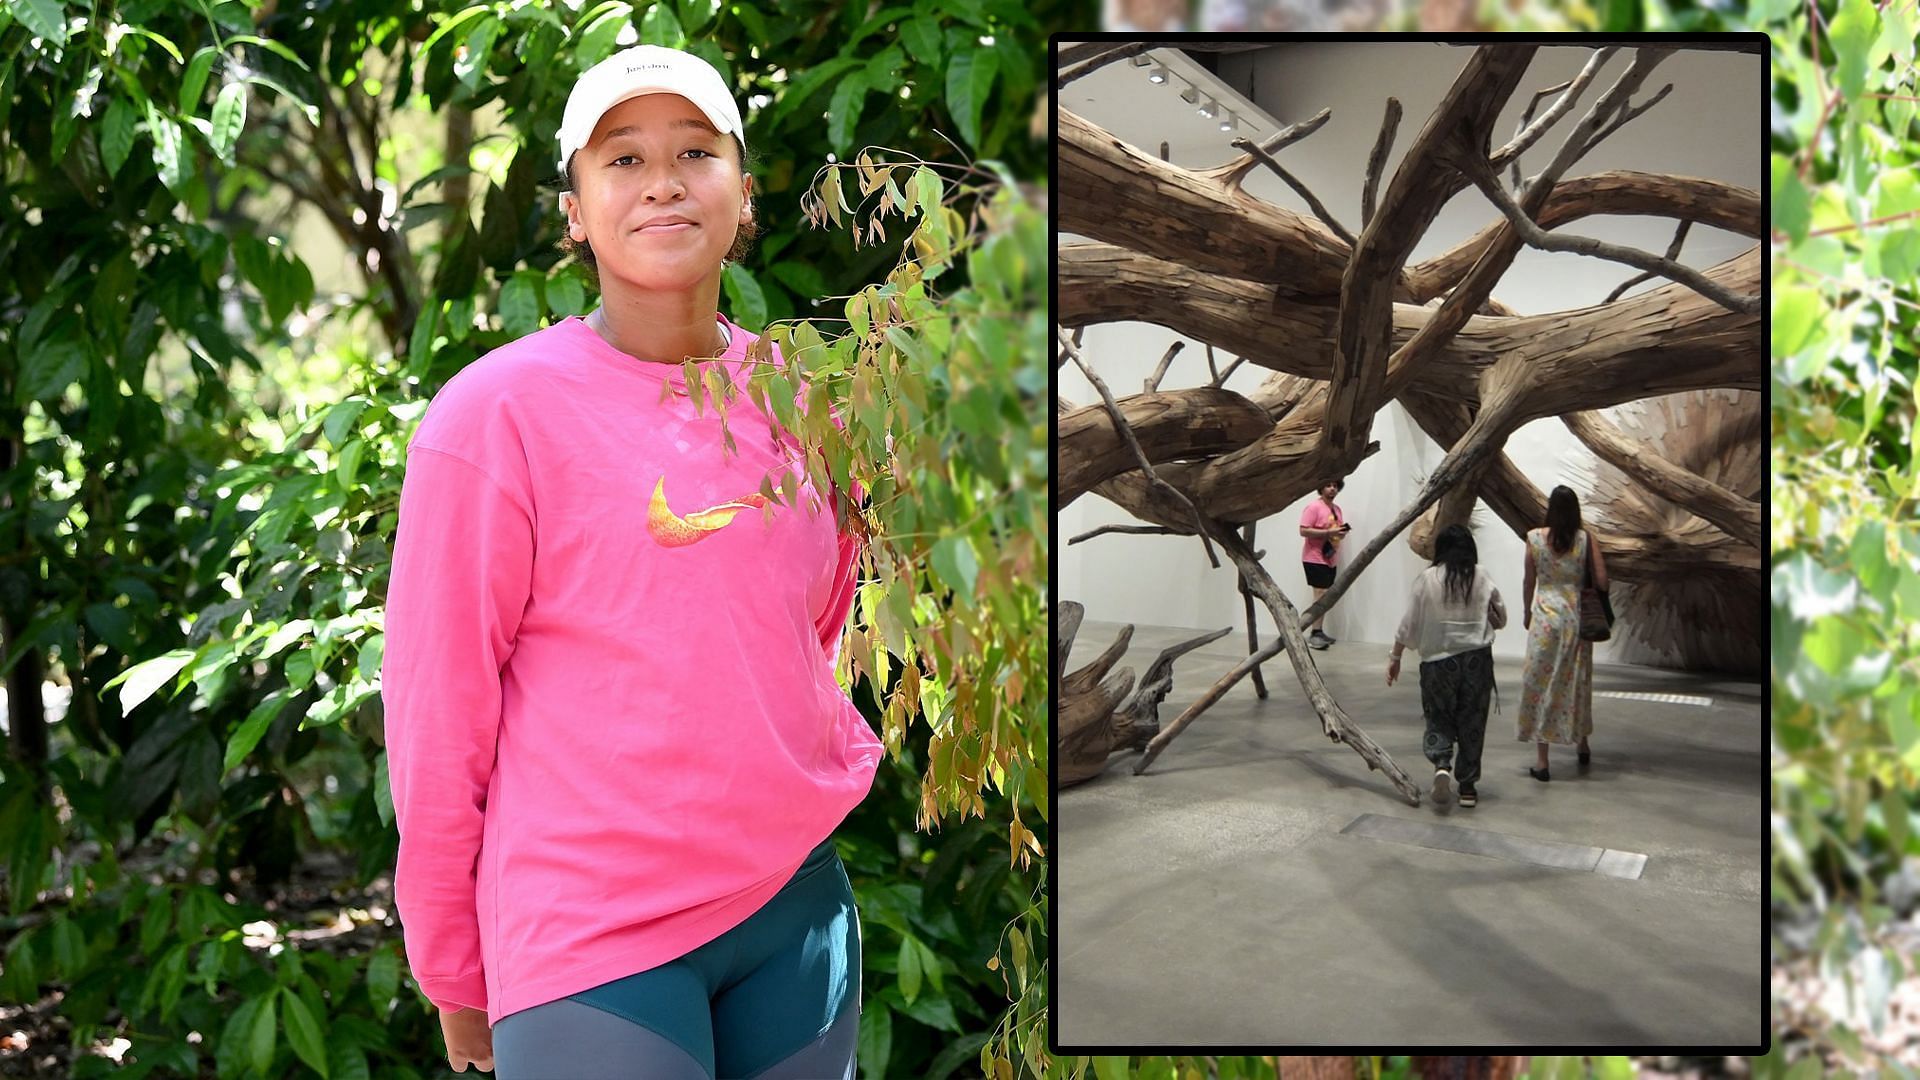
646	69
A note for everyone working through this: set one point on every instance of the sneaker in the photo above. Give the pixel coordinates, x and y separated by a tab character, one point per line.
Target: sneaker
1318	640
1329	638
1468	797
1442	786
1537	774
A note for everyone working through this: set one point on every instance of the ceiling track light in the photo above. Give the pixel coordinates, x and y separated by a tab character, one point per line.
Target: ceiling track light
1229	122
1191	95
1142	60
1211	109
1157	75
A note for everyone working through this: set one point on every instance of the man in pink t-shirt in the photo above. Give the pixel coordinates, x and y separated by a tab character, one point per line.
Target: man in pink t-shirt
1324	526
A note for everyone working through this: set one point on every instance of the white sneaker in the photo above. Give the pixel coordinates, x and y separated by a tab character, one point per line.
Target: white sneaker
1442	786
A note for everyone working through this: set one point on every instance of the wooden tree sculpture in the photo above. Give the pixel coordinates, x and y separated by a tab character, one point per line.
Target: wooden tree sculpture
1346	325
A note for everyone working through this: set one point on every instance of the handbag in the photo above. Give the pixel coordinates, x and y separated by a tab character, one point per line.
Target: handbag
1596	610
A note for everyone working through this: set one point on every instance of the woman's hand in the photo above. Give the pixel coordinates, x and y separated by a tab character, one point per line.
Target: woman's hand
469	1039
1393	668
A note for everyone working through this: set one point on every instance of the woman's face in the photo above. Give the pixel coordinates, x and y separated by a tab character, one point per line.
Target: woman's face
658	193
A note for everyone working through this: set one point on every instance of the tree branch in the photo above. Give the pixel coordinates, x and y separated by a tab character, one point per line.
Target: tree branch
1230	175
1377	161
1530	134
1628	114
1736	516
1160	372
1422	185
1584	245
1120	424
1319	208
1152	529
1673	252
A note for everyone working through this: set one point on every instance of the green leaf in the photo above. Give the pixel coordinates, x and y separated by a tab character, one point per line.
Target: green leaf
749	304
273	47
49	368
876	1041
802	88
420	345
843	111
260	1039
154	926
195	79
168	156
1112	1068
367	661
922	37
596	36
969	80
472	66
255	726
113	625
659	27
1810	591
1792	208
45	18
1895	191
303	1031
142	679
382	790
696	14
908	966
1799	314
954	561
117	134
1852	35
229	119
566	295
341	418
383	977
520	303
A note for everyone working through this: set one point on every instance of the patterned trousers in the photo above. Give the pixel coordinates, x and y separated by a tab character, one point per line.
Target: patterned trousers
1454	691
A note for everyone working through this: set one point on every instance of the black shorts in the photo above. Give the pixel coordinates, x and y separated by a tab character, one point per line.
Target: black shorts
1319	575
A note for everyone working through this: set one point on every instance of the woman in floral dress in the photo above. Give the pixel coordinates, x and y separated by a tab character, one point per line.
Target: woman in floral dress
1556	696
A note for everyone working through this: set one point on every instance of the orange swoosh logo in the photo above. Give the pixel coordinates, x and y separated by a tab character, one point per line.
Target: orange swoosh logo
671	530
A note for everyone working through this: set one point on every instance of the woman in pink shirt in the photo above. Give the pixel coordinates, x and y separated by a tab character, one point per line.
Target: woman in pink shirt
1324	526
615	741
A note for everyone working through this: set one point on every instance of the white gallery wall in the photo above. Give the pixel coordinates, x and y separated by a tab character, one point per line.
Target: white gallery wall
1711	125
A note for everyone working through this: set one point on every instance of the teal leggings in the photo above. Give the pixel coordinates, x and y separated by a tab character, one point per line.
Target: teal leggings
776	997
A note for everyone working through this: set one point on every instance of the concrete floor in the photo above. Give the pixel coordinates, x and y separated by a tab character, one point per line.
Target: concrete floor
1214	900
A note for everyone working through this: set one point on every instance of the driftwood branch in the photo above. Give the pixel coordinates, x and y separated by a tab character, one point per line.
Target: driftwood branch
1333	719
1673	252
1377	161
1627	115
1167	426
1313	202
1737	517
1233	173
1420	187
1530	133
1120	424
1160	372
1253	628
1535	236
1145	529
1221	378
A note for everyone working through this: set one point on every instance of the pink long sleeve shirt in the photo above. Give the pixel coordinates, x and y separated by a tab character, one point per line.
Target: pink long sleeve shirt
613	731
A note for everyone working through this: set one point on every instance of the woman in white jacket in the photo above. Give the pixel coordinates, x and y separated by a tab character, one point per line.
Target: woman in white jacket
1450	621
